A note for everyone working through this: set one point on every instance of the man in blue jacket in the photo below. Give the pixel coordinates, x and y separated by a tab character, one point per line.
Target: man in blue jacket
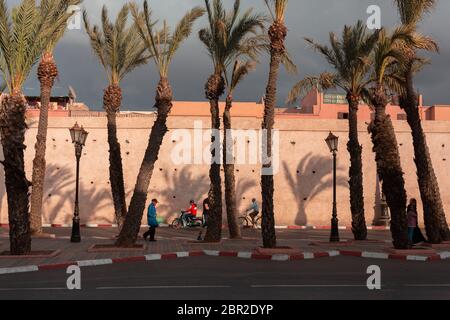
152	222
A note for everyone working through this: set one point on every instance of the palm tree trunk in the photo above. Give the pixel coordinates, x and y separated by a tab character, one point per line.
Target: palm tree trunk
130	230
112	102
228	165
214	89
389	169
359	227
13	127
47	72
434	215
277	34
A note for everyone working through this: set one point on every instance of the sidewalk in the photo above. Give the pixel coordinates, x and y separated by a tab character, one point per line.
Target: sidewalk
178	241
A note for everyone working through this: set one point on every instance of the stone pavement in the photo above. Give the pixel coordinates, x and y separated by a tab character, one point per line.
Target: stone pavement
171	241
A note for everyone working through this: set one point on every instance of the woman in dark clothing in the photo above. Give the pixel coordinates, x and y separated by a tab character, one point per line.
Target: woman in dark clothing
206	210
415	235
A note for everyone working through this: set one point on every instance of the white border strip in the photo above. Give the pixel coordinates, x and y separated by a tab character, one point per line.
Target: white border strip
19	269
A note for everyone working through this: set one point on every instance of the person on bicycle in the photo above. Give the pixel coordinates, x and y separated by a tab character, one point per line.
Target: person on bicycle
253	210
189	214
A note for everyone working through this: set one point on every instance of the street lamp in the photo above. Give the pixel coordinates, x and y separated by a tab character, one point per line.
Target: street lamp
333	142
79	136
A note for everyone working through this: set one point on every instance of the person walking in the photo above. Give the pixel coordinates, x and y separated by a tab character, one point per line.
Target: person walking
412	220
206	211
152	222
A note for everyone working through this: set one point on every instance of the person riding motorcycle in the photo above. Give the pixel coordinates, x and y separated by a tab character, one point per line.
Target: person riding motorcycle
190	214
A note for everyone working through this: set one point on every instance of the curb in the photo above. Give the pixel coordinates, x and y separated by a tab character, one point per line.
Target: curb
389	256
235	254
164	225
168	256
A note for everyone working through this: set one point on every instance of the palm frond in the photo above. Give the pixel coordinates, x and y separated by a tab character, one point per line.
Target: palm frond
3	86
119	48
183	30
350	56
162	44
255	46
58	13
24	35
277	8
229	35
240	70
322	82
413	11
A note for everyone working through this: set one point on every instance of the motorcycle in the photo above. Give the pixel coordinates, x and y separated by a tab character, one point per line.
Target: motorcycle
195	222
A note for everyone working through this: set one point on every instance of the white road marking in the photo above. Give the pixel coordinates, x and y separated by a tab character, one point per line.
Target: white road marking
427	285
162	287
309	286
31	289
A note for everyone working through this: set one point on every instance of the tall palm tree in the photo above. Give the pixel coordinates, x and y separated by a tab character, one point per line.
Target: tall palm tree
350	59
120	50
387	56
163	45
277	35
224	40
24	34
411	13
238	73
53	10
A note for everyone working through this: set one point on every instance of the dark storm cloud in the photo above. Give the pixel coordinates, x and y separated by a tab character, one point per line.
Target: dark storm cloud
191	67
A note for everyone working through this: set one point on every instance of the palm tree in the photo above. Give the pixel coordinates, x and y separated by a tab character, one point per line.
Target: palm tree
387	56
411	13
277	35
52	10
225	40
238	73
163	45
120	50
24	35
350	58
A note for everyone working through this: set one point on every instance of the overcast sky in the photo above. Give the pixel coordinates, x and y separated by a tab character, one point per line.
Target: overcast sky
305	18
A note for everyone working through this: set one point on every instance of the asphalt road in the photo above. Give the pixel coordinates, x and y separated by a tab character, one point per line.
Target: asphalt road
211	278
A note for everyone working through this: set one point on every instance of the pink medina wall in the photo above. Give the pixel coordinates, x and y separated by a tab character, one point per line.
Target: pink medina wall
302	186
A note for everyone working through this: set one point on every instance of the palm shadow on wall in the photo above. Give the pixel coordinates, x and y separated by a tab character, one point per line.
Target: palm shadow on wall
312	176
243	199
181	186
60	185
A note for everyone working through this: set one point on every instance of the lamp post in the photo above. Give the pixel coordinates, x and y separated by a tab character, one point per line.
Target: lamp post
79	136
333	142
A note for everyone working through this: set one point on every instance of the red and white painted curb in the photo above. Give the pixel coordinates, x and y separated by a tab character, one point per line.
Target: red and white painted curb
167	256
216	253
391	256
163	225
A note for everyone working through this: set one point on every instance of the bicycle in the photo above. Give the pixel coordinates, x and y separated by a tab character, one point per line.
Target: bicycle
247	222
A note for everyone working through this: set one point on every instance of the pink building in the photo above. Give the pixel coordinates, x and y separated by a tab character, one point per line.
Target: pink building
316	105
319	105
